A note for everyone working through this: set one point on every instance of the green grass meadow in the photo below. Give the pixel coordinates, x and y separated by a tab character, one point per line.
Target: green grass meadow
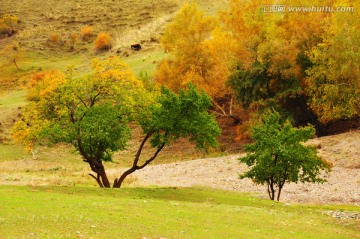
84	212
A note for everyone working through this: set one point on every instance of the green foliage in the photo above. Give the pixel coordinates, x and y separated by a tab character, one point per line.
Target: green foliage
90	112
103	130
278	155
173	116
257	87
182	115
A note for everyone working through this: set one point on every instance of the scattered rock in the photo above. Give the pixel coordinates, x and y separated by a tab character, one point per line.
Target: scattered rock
344	215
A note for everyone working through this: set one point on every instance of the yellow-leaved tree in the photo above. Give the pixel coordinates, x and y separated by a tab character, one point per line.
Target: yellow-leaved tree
333	82
198	54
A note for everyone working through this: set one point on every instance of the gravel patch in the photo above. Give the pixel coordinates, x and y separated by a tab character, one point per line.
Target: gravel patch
342	186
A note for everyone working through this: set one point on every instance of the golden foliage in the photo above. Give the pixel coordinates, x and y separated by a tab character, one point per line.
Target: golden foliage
86	32
103	42
8	25
333	83
55	39
43	83
194	56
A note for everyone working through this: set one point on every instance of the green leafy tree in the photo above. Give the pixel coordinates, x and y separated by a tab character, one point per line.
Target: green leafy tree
89	112
92	112
278	156
176	115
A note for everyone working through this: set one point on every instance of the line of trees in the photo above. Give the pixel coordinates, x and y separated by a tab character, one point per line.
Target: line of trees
304	65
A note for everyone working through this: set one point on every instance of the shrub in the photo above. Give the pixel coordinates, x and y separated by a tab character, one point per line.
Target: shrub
55	39
86	33
72	40
8	25
13	53
103	42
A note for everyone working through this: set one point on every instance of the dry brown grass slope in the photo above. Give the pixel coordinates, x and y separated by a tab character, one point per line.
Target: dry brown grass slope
129	20
40	19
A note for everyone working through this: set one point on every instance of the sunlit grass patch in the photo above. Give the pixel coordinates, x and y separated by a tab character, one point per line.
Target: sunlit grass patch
71	212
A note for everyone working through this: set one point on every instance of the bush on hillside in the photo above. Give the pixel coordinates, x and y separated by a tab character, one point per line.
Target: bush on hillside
87	33
8	25
55	40
103	42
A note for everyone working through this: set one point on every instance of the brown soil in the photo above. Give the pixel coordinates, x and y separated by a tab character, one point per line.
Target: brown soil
40	19
343	185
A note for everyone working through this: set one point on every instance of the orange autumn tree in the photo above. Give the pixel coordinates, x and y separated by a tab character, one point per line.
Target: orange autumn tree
270	52
195	54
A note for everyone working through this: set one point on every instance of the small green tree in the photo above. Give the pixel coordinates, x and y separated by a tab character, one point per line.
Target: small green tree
278	156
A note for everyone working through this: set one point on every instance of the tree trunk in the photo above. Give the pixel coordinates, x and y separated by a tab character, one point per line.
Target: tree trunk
278	195
98	168
118	182
17	67
97	179
271	190
236	119
104	179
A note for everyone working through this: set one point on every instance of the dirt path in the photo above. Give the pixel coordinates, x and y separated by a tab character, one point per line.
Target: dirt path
343	185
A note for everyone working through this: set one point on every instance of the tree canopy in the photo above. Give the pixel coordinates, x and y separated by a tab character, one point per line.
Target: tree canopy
90	112
176	115
278	156
195	57
333	82
303	64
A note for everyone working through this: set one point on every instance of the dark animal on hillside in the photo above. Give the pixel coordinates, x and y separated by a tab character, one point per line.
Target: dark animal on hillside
136	47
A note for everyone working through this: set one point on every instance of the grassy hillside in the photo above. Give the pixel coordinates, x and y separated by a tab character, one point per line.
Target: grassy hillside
128	22
61	212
